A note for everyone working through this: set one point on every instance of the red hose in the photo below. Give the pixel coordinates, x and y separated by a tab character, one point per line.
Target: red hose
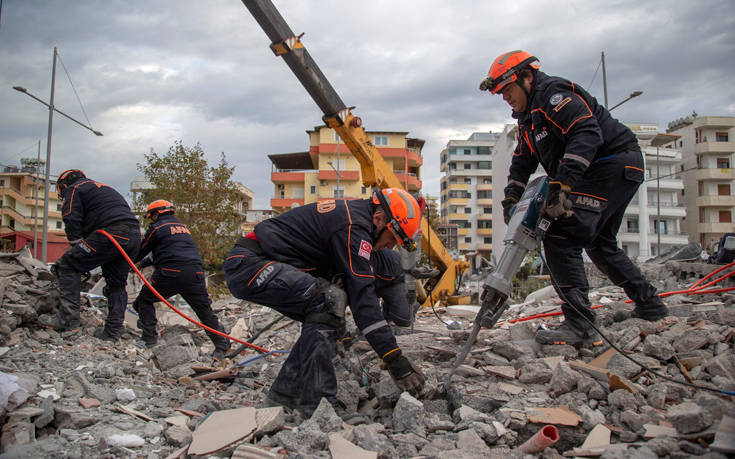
158	295
693	290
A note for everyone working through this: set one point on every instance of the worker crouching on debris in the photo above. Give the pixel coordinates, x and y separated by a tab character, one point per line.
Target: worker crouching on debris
89	206
595	164
281	264
178	270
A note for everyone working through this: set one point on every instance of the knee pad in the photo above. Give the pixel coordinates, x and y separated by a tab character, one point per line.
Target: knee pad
334	298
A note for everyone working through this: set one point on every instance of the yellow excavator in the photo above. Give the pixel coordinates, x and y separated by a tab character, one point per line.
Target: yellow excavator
375	171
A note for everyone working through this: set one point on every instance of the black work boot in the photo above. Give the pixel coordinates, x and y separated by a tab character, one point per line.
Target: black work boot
652	310
568	334
54	322
273	398
101	333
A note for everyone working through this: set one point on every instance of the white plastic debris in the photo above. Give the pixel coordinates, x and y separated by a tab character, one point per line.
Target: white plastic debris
124	440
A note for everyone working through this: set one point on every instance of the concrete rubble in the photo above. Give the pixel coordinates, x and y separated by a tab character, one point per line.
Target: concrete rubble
72	395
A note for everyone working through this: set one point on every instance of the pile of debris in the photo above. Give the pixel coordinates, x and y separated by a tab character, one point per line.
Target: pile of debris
72	395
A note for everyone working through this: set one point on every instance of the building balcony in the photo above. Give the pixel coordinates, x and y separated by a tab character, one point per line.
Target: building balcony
458	201
666	210
345	176
463	217
463	246
716	201
671	237
484	216
463	231
714	227
485	202
485	247
714	147
664	184
288	177
484	231
715	174
715	122
471	172
459	186
484	187
410	181
286	203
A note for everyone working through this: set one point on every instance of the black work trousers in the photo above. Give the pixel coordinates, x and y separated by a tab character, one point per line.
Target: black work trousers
187	281
308	373
599	202
93	251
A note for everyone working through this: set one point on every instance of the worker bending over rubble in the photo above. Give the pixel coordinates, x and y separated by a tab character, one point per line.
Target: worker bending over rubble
178	270
282	264
595	164
88	206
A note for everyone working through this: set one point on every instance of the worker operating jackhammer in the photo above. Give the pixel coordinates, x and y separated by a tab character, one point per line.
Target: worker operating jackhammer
178	271
282	264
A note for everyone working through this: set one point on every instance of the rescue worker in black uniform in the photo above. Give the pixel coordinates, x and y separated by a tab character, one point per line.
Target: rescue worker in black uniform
89	206
390	286
178	270
595	167
283	264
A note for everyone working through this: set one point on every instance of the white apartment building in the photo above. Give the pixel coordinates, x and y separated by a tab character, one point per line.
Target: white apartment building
708	150
467	193
654	220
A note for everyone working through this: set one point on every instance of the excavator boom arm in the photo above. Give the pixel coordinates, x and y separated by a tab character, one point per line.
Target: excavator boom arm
375	171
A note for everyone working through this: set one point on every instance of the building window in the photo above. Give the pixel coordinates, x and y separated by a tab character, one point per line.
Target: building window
723	189
322	183
721	137
725	216
484	224
487	240
444	185
364	190
487	181
380	140
338	192
467	151
468	181
484	194
632	226
468	240
484	165
487	210
58	225
312	189
723	163
336	136
58	207
2	182
659	227
468	166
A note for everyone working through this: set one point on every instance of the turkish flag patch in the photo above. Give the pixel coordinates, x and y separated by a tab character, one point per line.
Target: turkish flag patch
365	249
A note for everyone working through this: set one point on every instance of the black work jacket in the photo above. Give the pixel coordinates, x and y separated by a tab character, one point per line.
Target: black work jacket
170	243
565	130
88	206
333	237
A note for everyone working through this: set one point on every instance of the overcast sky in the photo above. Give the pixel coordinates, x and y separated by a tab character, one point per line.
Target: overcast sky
152	72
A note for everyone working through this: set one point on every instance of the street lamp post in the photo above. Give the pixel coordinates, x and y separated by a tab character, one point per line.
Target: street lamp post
632	95
51	110
338	174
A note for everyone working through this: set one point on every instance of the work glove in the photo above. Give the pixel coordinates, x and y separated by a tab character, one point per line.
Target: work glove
557	203
508	204
405	375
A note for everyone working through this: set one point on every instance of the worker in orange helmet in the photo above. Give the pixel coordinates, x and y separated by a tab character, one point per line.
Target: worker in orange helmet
595	167
284	264
178	270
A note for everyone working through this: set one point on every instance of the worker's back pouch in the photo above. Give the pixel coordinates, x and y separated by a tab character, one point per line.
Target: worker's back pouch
583	227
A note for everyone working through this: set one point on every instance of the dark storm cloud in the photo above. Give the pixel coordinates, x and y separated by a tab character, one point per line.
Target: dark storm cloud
150	73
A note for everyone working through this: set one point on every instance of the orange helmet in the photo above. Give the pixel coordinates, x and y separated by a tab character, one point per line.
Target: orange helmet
505	70
404	215
68	177
160	206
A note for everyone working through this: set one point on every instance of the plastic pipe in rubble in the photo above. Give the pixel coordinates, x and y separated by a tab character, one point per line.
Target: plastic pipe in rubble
544	438
158	295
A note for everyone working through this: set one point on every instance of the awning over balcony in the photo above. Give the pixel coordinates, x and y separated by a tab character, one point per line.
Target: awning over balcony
292	161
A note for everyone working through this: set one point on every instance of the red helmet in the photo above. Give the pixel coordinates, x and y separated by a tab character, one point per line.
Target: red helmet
403	212
68	177
505	70
160	206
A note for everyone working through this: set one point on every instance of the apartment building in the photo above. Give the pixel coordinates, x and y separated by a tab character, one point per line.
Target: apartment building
708	149
654	220
329	170
467	194
21	211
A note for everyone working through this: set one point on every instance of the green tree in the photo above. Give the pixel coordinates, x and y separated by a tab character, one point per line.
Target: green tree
205	197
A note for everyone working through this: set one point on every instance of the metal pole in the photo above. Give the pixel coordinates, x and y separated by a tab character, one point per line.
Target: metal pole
35	208
48	161
338	138
604	77
658	206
